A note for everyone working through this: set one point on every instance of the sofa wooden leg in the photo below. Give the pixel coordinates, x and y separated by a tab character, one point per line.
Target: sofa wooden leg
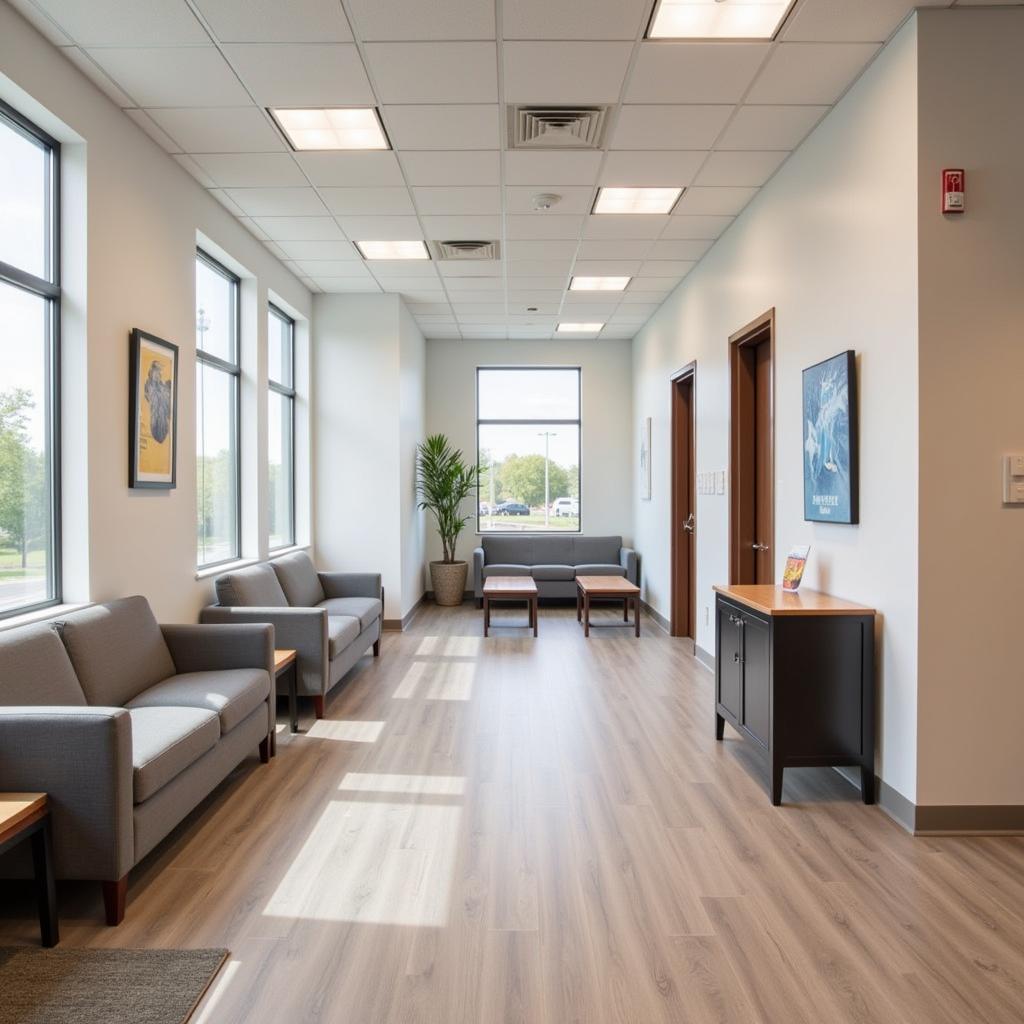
376	648
265	750
115	895
318	707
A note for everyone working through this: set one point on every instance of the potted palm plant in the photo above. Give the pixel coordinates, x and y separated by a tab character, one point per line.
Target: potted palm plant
444	480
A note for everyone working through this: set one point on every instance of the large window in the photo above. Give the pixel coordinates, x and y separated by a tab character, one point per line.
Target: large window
29	368
281	428
218	380
528	446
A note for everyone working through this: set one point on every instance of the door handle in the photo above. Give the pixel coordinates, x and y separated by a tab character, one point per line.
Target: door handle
760	547
688	526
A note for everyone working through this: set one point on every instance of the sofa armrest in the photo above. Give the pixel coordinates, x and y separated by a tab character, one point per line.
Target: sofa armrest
478	572
631	563
81	757
350	584
211	648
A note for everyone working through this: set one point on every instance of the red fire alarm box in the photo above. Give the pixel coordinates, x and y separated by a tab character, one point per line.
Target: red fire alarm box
953	190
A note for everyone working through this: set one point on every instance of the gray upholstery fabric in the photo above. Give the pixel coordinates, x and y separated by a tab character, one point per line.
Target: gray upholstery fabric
629	561
478	571
232	694
35	668
600	569
299	581
209	648
165	741
341	631
508	550
593	550
117	650
498	569
365	609
351	655
553	572
552	551
351	584
255	586
82	759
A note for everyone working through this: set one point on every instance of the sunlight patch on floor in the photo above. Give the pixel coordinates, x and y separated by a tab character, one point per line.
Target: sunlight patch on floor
216	992
450	646
349	731
437	681
433	785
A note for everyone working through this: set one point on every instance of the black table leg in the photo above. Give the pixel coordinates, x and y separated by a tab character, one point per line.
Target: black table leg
46	888
293	696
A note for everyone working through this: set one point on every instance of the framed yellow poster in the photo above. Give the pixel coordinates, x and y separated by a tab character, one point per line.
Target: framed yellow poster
152	412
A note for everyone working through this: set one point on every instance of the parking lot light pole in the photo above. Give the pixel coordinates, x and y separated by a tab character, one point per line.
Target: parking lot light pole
547	435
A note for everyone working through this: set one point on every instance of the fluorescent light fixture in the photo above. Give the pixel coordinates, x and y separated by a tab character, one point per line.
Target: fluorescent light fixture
578	328
337	128
636	200
598	284
718	19
393	250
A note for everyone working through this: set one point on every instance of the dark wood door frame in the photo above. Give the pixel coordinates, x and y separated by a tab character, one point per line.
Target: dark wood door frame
684	502
757	332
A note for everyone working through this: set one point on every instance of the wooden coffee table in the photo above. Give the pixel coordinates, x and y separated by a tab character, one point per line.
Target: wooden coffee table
510	588
23	816
612	587
284	661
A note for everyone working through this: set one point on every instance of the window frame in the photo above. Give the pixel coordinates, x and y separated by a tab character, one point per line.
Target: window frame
234	369
528	421
47	288
289	393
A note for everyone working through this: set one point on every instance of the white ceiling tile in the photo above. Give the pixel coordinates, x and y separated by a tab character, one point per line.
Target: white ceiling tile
640	298
351	170
612	249
172	76
472	332
618	332
540	299
226	201
462	285
320	251
219	129
573	200
605	268
673	249
740	168
412	295
454	228
470	309
480	167
153	130
480	199
634	314
867	21
548	226
587	312
282	256
546	283
117	23
381	229
471	268
97	76
550	249
694	72
810	72
461	295
431	309
251	170
630	167
717	201
770	127
625	226
441	332
448	126
195	170
334	268
458	72
302	74
671	268
558	72
538	268
300	229
43	23
414	19
271	21
573	19
278	202
250	225
664	126
367	200
551	170
403	268
336	285
689	226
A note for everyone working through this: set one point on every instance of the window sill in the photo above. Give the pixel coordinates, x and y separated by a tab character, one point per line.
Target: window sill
40	615
223	567
290	550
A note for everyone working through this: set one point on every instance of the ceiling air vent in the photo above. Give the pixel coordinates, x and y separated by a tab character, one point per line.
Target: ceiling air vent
468	250
556	127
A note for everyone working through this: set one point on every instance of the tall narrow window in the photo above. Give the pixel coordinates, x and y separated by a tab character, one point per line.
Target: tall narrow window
29	366
528	447
281	428
218	381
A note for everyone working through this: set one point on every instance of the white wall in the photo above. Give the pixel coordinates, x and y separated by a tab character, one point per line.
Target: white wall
830	242
412	385
132	217
607	436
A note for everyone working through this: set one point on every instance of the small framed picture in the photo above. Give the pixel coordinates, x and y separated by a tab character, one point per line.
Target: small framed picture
152	411
831	462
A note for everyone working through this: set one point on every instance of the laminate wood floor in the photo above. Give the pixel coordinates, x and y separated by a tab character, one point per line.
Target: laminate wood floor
545	831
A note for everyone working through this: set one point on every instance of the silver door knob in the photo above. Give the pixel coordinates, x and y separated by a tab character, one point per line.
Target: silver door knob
689	524
760	547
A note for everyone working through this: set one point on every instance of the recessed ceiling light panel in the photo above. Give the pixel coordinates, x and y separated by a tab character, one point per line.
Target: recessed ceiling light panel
578	328
598	284
332	128
393	250
718	19
636	200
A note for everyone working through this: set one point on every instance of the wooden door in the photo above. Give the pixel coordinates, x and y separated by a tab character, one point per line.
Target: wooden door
684	502
752	447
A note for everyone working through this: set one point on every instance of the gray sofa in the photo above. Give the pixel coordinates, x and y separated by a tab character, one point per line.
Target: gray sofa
127	725
554	562
330	619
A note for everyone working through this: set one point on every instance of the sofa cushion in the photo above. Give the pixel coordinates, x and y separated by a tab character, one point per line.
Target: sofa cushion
552	551
366	609
117	650
593	550
600	569
341	631
231	693
255	586
499	569
554	572
299	581
508	550
165	741
35	668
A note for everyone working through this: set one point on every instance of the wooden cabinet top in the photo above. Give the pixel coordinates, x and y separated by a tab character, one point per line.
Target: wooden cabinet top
770	600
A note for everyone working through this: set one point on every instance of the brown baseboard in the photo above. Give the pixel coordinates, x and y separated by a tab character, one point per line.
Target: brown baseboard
970	820
657	616
706	659
398	625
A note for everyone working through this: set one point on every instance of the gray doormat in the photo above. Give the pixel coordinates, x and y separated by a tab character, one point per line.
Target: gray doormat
104	986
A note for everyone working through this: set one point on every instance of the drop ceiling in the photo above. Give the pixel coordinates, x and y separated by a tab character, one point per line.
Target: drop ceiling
716	118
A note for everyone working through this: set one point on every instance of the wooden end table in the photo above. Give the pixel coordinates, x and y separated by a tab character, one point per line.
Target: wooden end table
613	588
26	815
285	663
510	588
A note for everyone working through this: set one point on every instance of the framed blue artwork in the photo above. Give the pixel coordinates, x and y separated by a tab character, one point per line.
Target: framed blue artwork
830	441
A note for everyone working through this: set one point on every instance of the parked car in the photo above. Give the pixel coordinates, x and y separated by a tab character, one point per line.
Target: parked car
565	507
485	508
512	508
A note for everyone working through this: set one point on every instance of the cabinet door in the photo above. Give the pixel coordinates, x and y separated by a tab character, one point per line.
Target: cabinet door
730	645
757	678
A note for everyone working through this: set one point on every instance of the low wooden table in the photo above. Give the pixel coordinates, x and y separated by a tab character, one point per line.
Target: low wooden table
612	587
284	662
510	588
24	815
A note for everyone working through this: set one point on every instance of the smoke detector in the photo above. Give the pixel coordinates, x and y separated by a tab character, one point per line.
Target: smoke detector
545	200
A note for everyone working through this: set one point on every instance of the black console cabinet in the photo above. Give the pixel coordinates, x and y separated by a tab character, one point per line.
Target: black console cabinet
795	675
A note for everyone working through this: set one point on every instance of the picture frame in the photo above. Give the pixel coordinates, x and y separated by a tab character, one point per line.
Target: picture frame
645	460
152	412
831	447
